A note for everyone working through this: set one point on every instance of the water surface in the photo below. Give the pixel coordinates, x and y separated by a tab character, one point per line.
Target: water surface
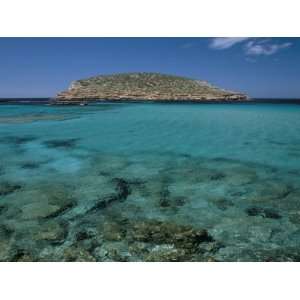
150	182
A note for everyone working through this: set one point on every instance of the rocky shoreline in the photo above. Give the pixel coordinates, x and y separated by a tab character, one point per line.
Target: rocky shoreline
84	101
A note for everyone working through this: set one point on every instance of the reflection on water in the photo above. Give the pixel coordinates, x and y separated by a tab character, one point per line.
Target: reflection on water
151	183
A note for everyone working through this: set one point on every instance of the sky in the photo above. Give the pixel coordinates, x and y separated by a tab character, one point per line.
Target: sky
42	67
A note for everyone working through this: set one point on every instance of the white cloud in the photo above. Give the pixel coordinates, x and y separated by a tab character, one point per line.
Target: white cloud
226	42
252	46
264	47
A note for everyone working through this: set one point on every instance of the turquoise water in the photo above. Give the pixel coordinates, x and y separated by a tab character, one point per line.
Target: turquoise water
150	182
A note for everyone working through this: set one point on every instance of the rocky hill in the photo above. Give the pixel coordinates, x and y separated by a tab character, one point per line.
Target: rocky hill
144	86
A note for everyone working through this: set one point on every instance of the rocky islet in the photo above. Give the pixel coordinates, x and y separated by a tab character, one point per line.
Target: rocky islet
144	86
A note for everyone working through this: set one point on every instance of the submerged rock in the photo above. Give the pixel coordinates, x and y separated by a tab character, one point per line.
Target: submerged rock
17	140
47	203
172	202
288	254
175	250
8	188
122	191
5	250
112	251
289	203
163	202
3	208
295	217
157	232
122	188
259	254
51	231
139	249
85	238
167	253
62	203
5	231
152	240
113	231
222	203
263	212
22	255
76	253
6	237
269	191
166	199
30	165
83	235
39	210
217	176
67	143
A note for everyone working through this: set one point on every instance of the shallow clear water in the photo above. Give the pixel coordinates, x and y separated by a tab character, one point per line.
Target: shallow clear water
150	182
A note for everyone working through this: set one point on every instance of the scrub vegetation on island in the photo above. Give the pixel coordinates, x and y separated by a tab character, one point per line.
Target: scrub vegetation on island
145	86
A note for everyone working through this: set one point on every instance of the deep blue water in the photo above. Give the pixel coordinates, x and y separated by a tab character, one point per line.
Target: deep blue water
137	182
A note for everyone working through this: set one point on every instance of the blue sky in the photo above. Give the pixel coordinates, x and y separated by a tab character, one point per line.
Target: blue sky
41	67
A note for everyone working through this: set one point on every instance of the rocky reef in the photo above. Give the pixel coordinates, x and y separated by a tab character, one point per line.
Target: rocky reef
193	209
144	86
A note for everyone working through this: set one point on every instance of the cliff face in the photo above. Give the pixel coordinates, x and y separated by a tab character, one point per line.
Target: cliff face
144	86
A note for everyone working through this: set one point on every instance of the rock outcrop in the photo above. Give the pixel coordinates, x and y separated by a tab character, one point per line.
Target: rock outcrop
144	86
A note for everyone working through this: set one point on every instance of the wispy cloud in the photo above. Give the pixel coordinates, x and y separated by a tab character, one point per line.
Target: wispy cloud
264	47
252	47
226	42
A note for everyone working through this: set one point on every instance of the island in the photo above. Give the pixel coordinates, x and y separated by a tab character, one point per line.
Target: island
144	87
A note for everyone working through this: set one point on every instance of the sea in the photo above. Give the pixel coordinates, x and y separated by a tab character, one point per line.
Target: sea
150	181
